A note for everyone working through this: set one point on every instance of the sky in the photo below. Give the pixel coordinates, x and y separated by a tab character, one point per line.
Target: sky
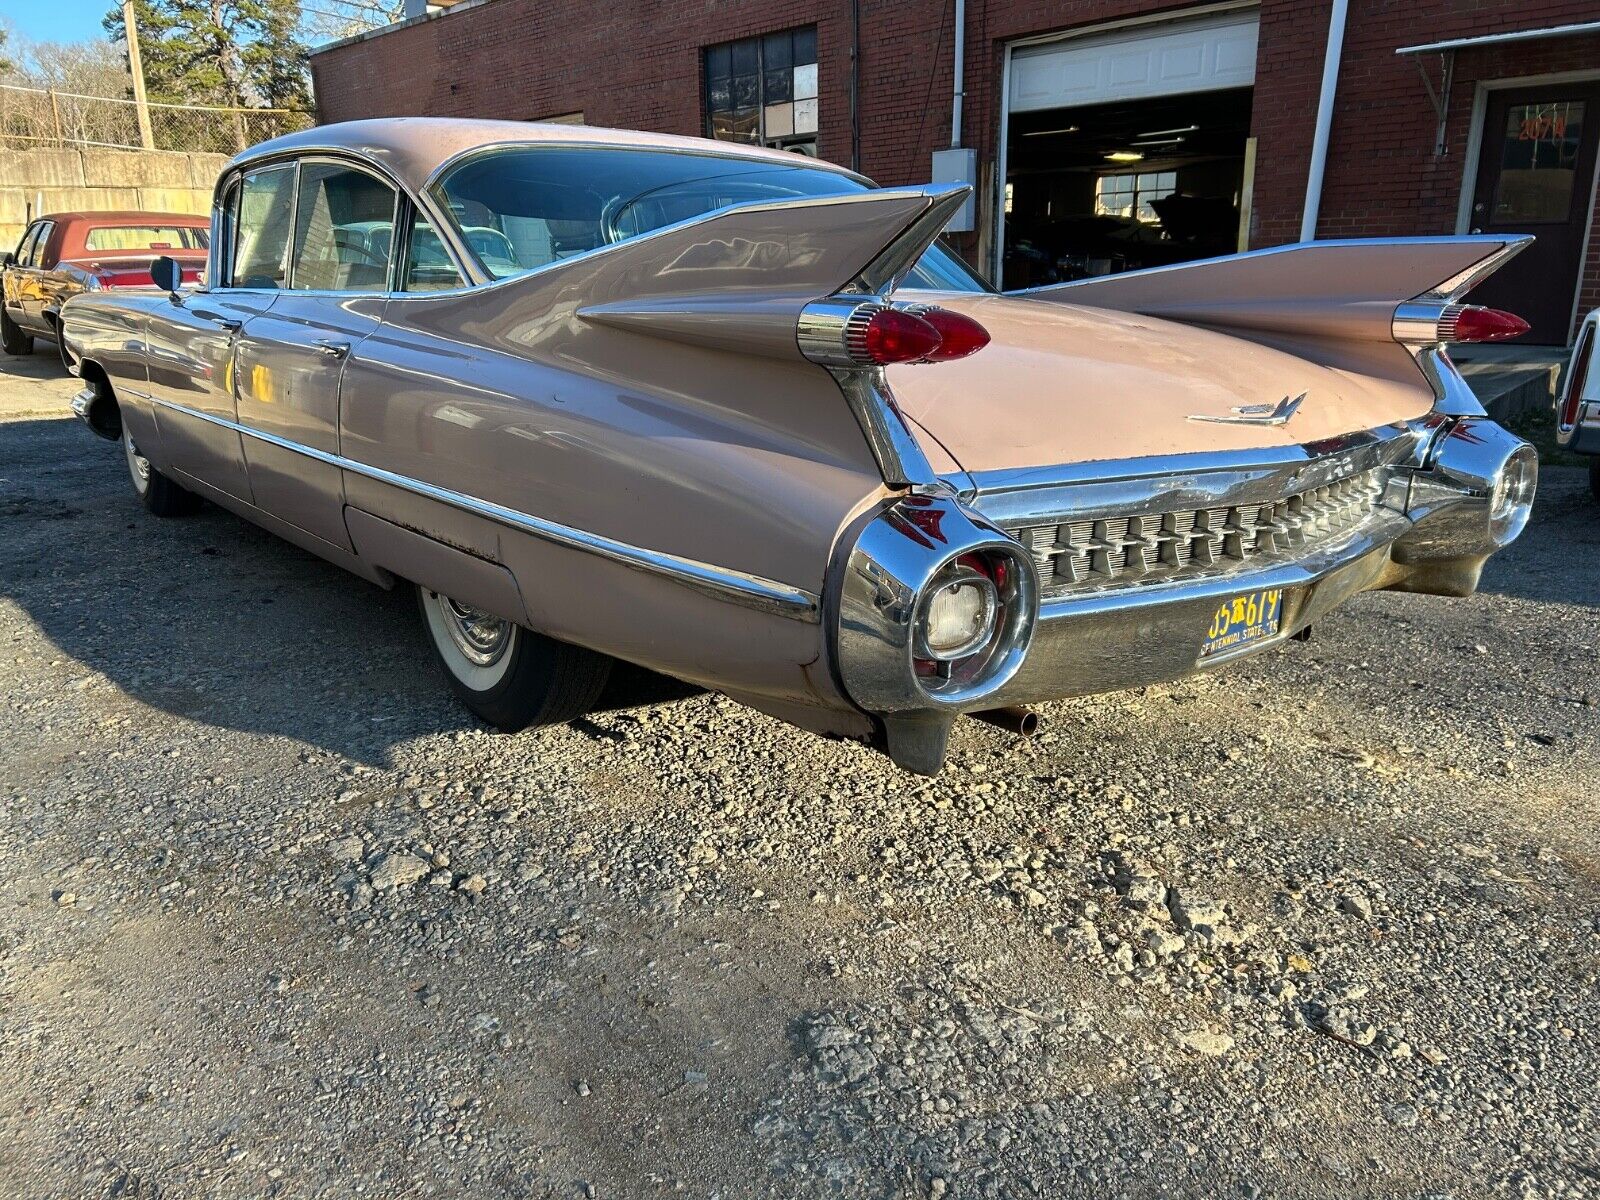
56	20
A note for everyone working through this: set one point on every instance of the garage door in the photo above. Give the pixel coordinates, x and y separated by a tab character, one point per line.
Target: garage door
1192	56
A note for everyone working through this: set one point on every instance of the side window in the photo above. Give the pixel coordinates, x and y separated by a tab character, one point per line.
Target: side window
36	251
428	265
262	226
30	236
343	230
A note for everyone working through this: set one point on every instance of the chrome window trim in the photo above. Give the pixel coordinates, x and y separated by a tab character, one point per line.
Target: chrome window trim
239	167
723	583
752	206
931	192
294	227
712	151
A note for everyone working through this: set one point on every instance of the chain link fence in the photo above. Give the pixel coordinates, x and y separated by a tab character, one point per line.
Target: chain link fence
32	117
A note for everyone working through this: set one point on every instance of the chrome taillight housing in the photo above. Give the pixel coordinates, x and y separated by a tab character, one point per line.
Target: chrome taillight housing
935	608
845	331
1424	324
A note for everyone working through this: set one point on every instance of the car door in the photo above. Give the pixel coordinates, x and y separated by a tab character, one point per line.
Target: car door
291	358
28	310
11	280
190	339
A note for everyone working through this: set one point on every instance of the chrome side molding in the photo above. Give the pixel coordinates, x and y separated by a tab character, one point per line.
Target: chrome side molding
725	583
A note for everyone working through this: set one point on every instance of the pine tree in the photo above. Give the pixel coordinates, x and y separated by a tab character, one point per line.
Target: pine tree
234	53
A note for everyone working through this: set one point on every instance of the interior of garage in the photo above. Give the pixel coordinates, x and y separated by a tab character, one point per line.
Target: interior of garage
1102	188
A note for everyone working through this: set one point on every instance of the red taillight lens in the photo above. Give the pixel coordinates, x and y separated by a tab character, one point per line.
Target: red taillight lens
1472	323
959	335
893	336
1577	377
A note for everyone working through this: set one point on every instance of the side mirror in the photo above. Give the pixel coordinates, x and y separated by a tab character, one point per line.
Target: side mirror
10	259
166	274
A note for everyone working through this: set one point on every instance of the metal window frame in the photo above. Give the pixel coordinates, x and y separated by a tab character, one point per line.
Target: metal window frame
761	88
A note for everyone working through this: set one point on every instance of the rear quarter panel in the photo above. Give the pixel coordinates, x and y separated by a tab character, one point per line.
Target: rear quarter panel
752	464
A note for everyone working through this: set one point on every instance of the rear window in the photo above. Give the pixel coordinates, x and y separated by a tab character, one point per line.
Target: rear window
524	208
146	237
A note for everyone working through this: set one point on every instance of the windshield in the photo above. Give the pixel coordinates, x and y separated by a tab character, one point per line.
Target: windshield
524	208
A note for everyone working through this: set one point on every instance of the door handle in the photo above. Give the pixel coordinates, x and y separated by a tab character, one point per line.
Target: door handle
332	349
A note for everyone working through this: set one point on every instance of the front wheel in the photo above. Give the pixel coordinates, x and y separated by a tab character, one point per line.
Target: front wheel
509	676
12	337
158	493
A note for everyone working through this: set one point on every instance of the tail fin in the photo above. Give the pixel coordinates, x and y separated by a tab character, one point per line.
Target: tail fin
738	278
1337	302
1340	289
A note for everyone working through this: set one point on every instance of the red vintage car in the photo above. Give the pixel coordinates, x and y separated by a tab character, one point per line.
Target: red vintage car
63	254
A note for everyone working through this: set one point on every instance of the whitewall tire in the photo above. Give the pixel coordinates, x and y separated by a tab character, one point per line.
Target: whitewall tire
508	675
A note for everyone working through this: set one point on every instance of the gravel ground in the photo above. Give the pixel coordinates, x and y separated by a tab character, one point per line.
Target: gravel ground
279	920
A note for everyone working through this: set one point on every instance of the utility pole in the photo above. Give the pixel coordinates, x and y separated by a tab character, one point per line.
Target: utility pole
136	67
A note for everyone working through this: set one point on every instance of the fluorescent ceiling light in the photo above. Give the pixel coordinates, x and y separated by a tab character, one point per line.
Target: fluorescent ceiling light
1048	132
1158	142
1125	156
1164	132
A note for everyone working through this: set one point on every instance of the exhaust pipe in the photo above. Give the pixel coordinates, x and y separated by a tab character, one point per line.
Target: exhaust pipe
1023	722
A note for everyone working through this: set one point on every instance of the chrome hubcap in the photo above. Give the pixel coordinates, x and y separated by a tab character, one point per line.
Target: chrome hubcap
137	463
480	638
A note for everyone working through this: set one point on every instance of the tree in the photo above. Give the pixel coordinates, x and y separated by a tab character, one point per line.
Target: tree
330	20
233	53
5	63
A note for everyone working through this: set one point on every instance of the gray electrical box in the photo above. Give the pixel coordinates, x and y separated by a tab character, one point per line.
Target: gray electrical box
958	166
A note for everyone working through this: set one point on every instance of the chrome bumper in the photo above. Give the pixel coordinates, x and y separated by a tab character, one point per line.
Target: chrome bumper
1135	637
1456	490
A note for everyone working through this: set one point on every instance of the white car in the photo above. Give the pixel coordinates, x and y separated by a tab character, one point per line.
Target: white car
1578	405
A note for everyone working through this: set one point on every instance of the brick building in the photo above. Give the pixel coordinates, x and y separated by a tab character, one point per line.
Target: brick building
1103	134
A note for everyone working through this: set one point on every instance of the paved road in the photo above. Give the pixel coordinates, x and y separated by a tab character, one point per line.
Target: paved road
279	920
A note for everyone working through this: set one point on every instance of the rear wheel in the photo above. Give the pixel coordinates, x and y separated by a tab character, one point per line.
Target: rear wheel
12	338
510	676
158	493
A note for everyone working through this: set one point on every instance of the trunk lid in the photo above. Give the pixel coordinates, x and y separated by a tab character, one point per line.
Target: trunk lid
1061	383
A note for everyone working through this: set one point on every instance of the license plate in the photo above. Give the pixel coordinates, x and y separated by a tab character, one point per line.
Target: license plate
1243	621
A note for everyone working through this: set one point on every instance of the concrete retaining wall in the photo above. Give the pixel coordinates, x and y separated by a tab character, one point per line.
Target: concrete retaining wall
92	179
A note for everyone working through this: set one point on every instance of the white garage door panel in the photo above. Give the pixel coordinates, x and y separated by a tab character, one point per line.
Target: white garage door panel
1196	56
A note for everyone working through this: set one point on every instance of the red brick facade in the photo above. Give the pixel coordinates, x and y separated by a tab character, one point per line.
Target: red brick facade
637	64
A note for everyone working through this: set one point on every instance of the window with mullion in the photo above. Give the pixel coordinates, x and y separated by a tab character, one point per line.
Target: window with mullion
763	90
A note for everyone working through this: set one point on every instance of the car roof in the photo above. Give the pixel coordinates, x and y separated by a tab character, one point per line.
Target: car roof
413	148
127	216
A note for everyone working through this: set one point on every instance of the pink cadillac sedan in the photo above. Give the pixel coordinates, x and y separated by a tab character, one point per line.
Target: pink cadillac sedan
736	416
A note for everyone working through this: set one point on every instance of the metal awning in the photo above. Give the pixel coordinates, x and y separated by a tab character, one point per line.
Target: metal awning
1498	39
1446	51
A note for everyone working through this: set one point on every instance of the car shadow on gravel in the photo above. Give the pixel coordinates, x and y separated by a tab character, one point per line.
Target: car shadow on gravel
212	619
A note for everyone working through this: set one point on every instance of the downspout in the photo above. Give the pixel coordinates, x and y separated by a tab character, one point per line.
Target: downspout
1319	144
960	74
855	85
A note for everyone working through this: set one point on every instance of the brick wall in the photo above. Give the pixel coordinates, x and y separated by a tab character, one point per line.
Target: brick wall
637	64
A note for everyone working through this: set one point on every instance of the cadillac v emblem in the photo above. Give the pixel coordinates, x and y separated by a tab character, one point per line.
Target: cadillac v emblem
1257	414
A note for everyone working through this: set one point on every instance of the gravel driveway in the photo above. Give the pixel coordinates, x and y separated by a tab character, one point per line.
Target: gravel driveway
280	920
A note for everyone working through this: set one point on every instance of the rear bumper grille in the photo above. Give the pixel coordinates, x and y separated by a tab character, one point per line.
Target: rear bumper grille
1120	550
